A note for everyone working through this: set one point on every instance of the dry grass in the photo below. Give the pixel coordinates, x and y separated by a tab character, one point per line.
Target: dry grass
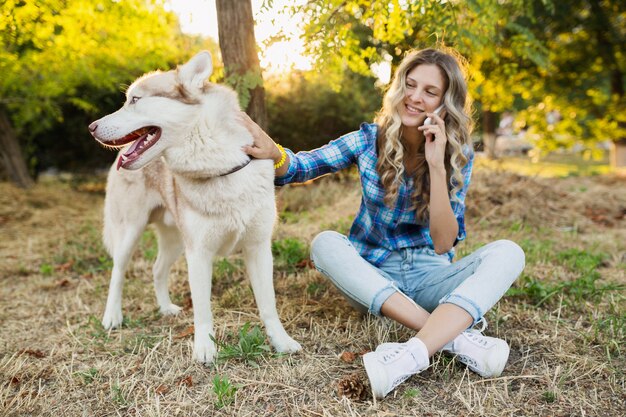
564	319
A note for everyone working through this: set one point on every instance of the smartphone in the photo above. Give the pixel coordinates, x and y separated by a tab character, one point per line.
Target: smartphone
429	120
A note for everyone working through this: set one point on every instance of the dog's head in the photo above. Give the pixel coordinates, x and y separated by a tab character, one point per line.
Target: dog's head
155	113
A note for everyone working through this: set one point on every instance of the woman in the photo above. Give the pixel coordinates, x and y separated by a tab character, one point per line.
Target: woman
396	261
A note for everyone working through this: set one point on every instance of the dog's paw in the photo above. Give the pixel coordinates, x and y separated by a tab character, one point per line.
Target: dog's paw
205	353
170	310
286	345
112	320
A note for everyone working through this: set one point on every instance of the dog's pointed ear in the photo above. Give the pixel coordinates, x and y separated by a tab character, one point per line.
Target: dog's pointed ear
196	70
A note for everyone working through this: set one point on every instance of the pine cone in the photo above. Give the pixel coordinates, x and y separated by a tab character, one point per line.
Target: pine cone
353	387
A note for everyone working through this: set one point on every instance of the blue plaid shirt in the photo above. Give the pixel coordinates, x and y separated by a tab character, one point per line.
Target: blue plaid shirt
377	230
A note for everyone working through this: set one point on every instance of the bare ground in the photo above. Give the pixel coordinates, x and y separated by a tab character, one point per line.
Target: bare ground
564	318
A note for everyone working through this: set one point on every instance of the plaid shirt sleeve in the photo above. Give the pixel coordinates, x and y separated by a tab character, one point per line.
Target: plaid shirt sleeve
332	157
458	207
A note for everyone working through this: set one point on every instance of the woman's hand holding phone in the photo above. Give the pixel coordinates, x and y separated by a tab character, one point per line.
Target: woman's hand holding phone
434	131
429	120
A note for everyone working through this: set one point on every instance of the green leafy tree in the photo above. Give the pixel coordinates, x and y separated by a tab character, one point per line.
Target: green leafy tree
62	58
305	112
493	35
560	63
584	83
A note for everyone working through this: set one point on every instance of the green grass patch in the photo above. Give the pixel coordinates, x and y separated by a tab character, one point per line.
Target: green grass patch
537	251
84	254
148	245
582	263
88	376
226	269
118	396
314	289
224	390
138	341
549	396
250	347
288	253
94	330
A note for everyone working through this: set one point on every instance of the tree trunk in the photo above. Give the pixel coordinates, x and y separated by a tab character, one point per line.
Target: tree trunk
489	133
11	155
239	51
618	153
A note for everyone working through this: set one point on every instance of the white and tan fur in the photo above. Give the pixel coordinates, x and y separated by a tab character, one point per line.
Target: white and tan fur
178	184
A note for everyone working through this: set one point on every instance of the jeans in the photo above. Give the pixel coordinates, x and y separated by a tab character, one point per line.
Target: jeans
474	283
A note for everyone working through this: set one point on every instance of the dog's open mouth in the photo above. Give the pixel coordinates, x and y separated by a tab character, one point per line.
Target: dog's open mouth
142	140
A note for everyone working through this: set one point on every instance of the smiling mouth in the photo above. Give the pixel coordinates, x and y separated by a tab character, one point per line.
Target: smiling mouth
142	139
412	109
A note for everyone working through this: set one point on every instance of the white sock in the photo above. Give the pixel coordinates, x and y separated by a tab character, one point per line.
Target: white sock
419	351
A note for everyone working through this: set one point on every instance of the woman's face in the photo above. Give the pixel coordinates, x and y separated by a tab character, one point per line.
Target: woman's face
424	90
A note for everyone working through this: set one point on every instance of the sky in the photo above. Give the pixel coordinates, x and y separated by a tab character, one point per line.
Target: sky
200	17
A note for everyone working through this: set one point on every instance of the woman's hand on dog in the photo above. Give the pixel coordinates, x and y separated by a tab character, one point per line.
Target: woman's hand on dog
263	146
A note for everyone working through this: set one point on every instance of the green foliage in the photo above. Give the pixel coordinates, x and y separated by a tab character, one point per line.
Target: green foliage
536	57
63	63
288	253
61	45
584	82
250	347
356	34
306	111
243	84
224	390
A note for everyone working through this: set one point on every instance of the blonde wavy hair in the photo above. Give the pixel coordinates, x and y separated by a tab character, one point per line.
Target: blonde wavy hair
459	124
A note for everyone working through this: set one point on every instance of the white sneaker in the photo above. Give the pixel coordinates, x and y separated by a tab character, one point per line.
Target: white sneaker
484	355
388	368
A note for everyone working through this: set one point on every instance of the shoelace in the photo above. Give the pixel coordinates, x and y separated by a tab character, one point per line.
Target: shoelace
477	338
483	325
390	354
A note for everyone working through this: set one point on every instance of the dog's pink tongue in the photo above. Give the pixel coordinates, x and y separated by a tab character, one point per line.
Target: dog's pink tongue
130	153
134	146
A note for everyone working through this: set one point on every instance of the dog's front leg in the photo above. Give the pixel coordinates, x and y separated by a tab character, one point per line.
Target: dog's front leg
199	264
260	268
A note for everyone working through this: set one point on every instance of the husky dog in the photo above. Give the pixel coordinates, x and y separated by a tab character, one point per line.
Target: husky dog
185	172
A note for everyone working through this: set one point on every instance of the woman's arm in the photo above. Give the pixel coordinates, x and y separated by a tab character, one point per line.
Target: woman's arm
308	165
443	224
264	147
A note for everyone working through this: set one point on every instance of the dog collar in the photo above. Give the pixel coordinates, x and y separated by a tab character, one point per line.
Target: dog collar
237	168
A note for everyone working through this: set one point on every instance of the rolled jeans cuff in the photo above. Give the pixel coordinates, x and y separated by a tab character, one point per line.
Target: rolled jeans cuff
380	297
466	304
